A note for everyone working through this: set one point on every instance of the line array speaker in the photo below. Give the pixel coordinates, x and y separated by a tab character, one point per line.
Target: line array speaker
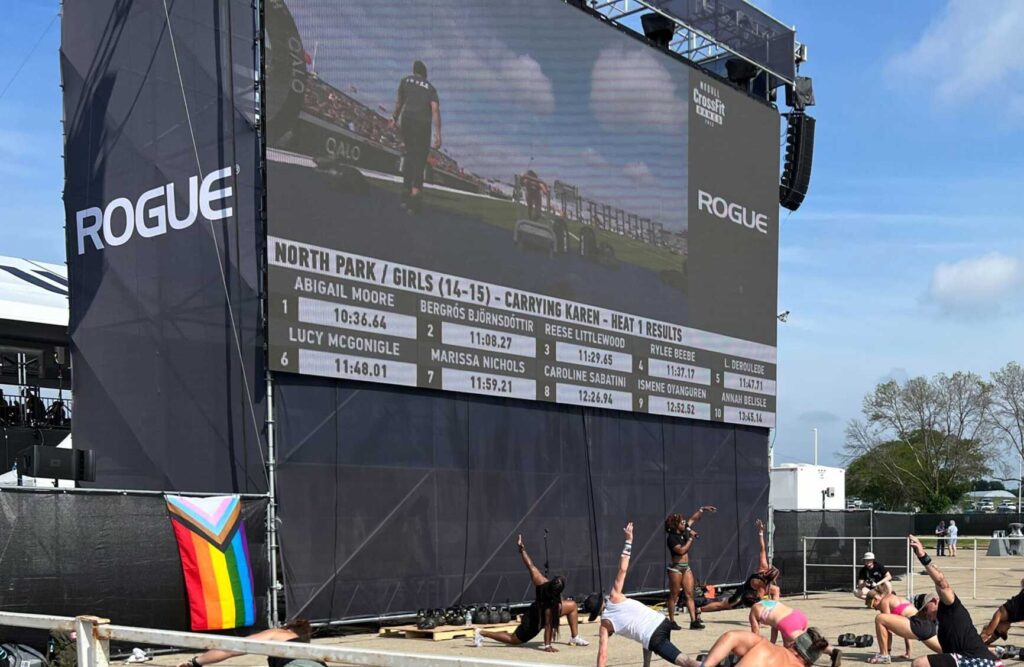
796	172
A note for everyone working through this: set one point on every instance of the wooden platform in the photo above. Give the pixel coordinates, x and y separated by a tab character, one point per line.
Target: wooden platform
443	632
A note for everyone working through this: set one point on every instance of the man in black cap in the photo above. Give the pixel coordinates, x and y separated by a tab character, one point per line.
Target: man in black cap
960	642
417	105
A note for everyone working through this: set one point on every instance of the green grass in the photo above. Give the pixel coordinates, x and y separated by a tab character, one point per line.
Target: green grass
504	214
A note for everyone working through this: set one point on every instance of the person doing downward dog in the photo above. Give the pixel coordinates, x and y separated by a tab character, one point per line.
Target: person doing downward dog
761	585
680	577
756	651
960	642
787	621
632	619
1010	612
543	614
900	617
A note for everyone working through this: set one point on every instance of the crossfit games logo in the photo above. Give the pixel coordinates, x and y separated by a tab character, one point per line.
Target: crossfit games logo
153	212
741	215
708	103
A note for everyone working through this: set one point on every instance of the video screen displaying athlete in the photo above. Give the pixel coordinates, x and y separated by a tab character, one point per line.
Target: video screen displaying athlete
416	107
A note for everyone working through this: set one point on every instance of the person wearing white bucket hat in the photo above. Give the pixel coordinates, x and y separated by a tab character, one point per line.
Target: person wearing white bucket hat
873	577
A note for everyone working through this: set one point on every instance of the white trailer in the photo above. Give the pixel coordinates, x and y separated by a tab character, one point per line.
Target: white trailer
802	486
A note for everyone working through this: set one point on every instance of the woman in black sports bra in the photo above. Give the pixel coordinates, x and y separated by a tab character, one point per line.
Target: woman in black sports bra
680	577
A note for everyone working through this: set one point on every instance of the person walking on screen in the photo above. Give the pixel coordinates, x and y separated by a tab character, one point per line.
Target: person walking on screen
961	644
940	539
536	190
416	106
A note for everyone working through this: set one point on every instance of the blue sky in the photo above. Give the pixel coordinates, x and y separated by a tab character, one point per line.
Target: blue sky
906	259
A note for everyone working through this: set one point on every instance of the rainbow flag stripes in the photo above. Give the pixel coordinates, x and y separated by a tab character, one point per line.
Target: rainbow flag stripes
215	561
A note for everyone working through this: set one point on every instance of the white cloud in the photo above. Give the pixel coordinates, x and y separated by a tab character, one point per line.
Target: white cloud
638	172
593	158
520	80
969	54
631	87
977	285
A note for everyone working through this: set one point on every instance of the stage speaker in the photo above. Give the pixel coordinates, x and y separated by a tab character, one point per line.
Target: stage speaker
60	355
43	461
796	172
657	28
800	95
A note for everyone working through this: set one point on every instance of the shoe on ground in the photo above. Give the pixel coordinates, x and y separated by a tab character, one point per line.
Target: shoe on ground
696	625
578	641
676	626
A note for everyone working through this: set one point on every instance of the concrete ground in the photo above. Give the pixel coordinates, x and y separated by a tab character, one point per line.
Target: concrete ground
832	613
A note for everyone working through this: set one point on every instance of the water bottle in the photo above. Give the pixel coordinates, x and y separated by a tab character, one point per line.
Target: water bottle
469	617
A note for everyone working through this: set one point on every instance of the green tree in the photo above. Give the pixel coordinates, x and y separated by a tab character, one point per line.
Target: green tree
869	481
921	443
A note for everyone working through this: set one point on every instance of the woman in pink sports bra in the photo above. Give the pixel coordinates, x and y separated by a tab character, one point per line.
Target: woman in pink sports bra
889	603
784	620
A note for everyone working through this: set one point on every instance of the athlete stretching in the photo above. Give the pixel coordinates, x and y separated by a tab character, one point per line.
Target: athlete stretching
632	619
761	585
1010	612
756	651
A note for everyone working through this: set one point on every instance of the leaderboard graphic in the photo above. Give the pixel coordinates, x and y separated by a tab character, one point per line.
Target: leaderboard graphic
462	199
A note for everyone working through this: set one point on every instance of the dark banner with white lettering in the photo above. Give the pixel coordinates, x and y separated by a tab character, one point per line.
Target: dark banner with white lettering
480	205
163	243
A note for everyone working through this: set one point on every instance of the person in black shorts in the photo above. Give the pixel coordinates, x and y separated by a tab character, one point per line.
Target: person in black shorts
680	577
1010	612
631	619
961	644
417	105
543	614
761	585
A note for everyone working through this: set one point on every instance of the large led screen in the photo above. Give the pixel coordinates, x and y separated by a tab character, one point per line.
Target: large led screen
518	200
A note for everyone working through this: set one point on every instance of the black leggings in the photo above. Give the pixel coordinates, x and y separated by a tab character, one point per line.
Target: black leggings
416	137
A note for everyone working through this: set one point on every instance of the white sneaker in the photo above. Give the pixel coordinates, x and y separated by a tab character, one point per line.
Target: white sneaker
478	639
578	641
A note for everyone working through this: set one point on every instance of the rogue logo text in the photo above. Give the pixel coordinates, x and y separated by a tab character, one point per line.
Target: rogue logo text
741	215
153	212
